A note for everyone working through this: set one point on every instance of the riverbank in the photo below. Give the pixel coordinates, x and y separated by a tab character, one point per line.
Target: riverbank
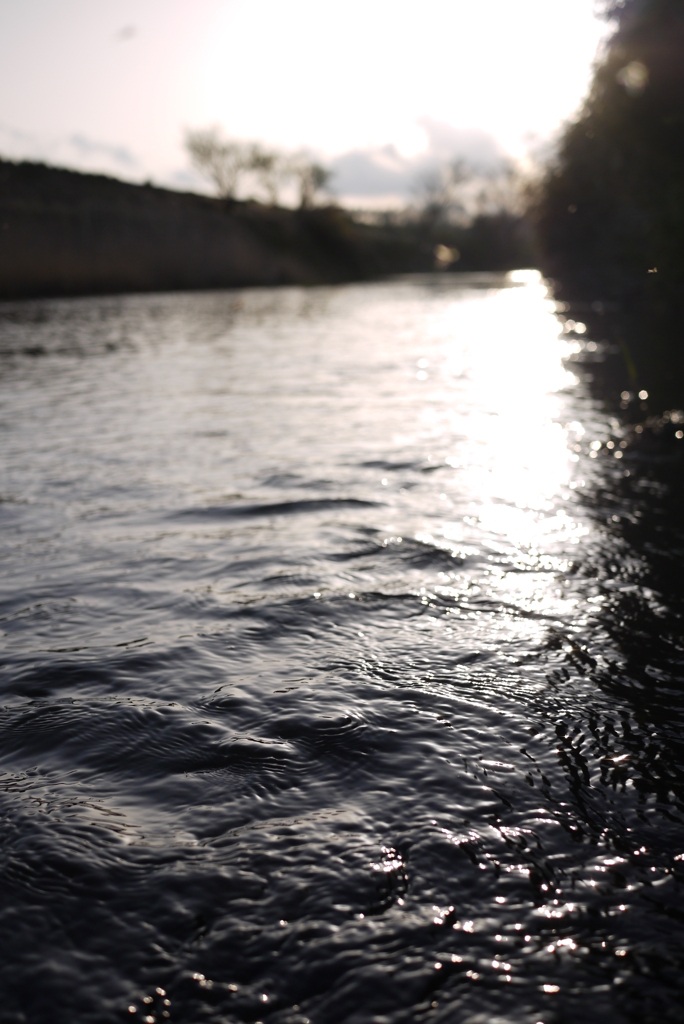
67	233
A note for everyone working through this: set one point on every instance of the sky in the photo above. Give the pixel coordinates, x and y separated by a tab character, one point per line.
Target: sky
376	89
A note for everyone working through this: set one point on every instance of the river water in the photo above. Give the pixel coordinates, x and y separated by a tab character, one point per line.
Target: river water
342	676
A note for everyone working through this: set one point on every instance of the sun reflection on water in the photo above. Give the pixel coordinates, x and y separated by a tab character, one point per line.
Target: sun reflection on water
511	449
498	405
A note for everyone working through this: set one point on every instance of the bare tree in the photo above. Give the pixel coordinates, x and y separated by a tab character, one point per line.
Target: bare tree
311	178
270	171
456	193
223	161
503	190
226	162
441	192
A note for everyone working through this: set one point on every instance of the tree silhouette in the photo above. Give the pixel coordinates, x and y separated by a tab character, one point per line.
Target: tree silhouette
223	161
311	178
611	207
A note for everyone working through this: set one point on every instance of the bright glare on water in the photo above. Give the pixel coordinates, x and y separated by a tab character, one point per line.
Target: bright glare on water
340	672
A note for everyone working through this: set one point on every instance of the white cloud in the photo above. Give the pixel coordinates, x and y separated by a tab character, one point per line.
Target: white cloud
78	151
91	148
383	173
340	79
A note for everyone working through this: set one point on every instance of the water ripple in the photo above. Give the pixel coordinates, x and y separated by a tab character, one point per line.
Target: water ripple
408	748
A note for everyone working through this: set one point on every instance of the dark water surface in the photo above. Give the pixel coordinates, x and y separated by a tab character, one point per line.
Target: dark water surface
341	682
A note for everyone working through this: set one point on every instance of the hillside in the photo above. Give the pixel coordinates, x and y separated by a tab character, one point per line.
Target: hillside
67	233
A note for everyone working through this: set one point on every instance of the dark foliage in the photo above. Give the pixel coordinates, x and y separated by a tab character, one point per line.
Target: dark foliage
610	218
613	206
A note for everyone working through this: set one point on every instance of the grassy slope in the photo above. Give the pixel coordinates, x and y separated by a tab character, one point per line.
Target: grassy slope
66	233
